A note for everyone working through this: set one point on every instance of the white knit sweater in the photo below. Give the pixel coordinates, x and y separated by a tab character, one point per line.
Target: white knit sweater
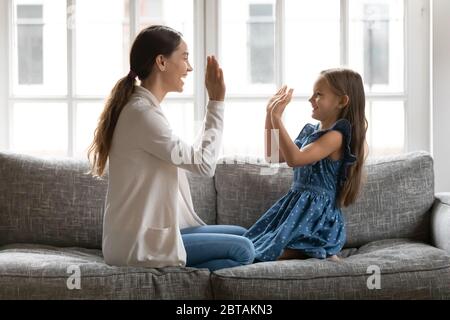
148	198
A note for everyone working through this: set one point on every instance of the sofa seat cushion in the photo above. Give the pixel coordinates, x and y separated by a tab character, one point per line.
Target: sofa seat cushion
42	272
407	269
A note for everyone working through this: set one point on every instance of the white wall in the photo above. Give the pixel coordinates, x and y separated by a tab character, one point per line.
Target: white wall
441	94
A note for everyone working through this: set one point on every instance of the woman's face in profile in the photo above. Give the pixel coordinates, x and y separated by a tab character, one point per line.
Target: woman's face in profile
177	68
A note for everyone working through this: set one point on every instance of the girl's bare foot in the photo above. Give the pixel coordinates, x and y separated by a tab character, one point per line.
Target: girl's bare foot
334	258
289	254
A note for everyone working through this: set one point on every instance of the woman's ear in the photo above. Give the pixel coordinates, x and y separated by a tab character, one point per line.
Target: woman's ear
161	62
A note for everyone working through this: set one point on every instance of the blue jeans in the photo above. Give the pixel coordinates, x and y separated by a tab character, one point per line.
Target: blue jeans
217	246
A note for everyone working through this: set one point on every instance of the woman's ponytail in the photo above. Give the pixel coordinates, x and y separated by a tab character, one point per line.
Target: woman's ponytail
99	149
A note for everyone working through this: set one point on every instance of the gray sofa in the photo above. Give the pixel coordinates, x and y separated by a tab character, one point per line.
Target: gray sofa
398	236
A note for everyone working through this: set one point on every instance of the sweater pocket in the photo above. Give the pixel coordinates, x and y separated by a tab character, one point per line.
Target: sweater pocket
159	243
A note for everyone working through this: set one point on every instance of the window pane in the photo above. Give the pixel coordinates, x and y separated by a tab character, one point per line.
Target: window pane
39	48
241	135
248	45
102	45
312	41
30	43
179	115
86	123
376	43
386	134
181	119
296	115
182	19
40	129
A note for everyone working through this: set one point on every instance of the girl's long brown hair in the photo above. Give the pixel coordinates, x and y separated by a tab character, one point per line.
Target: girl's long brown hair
347	82
150	43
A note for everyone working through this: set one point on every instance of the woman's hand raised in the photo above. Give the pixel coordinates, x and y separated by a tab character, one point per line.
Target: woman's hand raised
214	81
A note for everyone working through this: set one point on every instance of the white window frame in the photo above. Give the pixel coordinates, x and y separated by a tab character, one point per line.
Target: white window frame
207	41
71	99
416	95
4	75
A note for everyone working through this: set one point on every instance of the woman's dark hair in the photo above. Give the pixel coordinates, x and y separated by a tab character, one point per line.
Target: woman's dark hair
150	43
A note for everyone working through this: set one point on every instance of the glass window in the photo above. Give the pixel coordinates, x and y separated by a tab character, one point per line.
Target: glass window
386	132
87	116
40	129
312	41
261	62
376	38
30	43
102	51
247	45
39	48
182	19
296	115
244	128
248	54
181	119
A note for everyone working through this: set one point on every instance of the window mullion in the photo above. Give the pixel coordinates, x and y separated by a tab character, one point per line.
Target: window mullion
5	79
134	19
417	75
199	59
71	74
212	28
344	27
279	43
212	37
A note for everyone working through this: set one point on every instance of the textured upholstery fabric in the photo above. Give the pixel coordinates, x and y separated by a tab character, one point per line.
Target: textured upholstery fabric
408	270
440	222
42	272
203	197
50	202
54	201
51	219
395	201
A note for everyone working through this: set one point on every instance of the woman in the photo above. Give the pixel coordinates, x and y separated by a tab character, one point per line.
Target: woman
149	217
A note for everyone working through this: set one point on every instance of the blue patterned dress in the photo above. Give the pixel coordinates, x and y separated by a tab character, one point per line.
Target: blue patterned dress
307	218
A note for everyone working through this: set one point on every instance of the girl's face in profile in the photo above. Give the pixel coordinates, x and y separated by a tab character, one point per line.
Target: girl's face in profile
177	68
324	101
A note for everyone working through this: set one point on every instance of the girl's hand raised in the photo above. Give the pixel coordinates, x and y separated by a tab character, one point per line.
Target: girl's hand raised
214	81
279	101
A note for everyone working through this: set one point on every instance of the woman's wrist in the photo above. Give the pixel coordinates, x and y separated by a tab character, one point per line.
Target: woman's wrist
216	96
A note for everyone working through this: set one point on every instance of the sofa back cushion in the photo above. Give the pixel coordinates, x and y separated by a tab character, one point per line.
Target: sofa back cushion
50	201
394	201
54	201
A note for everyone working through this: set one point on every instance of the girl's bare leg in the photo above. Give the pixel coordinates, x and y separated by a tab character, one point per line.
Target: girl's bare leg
289	254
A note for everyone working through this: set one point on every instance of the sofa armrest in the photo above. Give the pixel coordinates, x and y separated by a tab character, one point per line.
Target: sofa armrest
440	221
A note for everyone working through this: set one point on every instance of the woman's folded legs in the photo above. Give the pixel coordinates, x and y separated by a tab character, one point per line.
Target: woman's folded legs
217	246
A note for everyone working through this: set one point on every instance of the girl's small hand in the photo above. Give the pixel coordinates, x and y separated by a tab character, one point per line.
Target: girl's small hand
280	101
275	97
214	82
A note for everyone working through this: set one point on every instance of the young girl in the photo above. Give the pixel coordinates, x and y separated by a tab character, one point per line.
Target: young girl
327	159
149	218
